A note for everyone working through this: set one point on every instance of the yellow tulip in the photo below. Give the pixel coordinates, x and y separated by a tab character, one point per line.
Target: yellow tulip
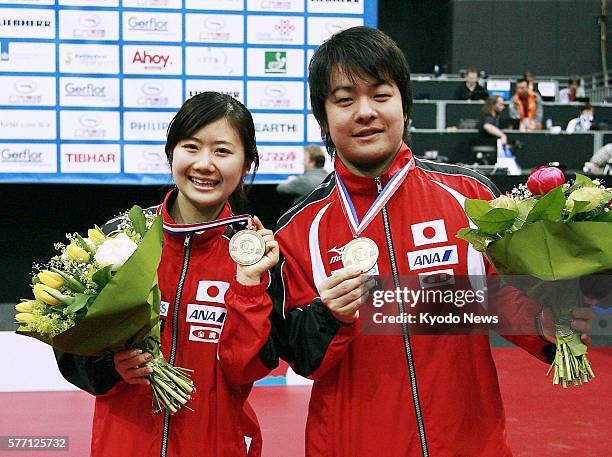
96	236
48	278
77	253
41	292
26	306
24	318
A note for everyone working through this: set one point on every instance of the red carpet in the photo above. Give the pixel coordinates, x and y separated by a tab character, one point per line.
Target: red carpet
542	420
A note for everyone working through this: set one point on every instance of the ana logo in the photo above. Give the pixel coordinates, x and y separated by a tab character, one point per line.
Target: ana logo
429	232
204	314
152	88
436	278
276	61
212	291
24	86
425	258
275	91
89	20
204	334
145	58
214	24
89	120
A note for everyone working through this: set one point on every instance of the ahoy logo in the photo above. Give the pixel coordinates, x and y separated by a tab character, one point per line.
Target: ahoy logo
147	59
425	258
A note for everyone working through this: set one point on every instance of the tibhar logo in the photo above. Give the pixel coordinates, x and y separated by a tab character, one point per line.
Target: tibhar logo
24	23
445	255
276	61
148	59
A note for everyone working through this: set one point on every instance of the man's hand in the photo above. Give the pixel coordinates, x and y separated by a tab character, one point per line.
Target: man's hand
345	292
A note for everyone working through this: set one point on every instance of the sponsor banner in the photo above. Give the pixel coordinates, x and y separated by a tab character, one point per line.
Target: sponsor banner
275	29
109	3
314	130
151	59
146	126
150	26
27	23
145	159
89	125
89	92
429	232
293	6
90	158
281	160
214	28
27	2
231	5
275	95
27	90
28	158
205	314
211	61
433	257
280	63
28	125
204	334
89	58
212	291
321	28
336	6
173	4
279	127
230	87
88	25
152	93
27	57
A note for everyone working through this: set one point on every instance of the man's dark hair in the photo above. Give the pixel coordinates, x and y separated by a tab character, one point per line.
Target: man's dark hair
359	53
521	80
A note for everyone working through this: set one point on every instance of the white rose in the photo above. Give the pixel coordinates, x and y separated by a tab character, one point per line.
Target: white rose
115	251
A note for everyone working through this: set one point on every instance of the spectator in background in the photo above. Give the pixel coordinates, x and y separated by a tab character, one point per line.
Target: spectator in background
314	174
583	122
471	90
527	107
573	91
531	82
601	162
488	126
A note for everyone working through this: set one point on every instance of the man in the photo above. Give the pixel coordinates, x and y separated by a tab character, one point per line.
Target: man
397	395
601	162
527	107
583	122
488	127
314	174
572	92
471	90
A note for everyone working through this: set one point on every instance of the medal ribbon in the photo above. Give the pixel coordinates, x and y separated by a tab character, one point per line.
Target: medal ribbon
201	226
349	210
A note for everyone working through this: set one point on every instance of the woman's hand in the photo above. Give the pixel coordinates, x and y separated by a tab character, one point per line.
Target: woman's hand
128	365
251	274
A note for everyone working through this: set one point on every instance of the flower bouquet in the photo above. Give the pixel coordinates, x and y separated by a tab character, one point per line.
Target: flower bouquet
100	294
555	234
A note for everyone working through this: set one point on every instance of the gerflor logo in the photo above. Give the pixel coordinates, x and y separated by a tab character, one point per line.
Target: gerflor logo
150	59
276	62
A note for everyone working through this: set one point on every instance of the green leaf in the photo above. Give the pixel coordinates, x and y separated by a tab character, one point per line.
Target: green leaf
583	181
489	220
524	207
549	207
605	216
102	276
83	243
79	301
579	205
138	220
476	238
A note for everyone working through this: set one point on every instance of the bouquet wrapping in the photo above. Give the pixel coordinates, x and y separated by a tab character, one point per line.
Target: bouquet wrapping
546	238
101	295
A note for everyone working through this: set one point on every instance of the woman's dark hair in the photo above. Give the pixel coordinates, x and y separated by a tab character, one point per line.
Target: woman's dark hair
206	108
359	53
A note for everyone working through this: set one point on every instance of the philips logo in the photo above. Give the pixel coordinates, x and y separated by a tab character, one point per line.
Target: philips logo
425	258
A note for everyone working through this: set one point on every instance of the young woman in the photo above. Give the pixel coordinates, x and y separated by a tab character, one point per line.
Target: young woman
215	314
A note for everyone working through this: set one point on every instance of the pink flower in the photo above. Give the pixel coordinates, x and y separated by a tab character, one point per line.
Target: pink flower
545	179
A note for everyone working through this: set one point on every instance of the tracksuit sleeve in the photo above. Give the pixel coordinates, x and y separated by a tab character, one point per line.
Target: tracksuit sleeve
316	340
248	347
96	375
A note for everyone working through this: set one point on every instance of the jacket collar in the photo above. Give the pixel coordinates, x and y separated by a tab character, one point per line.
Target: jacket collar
365	185
205	234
